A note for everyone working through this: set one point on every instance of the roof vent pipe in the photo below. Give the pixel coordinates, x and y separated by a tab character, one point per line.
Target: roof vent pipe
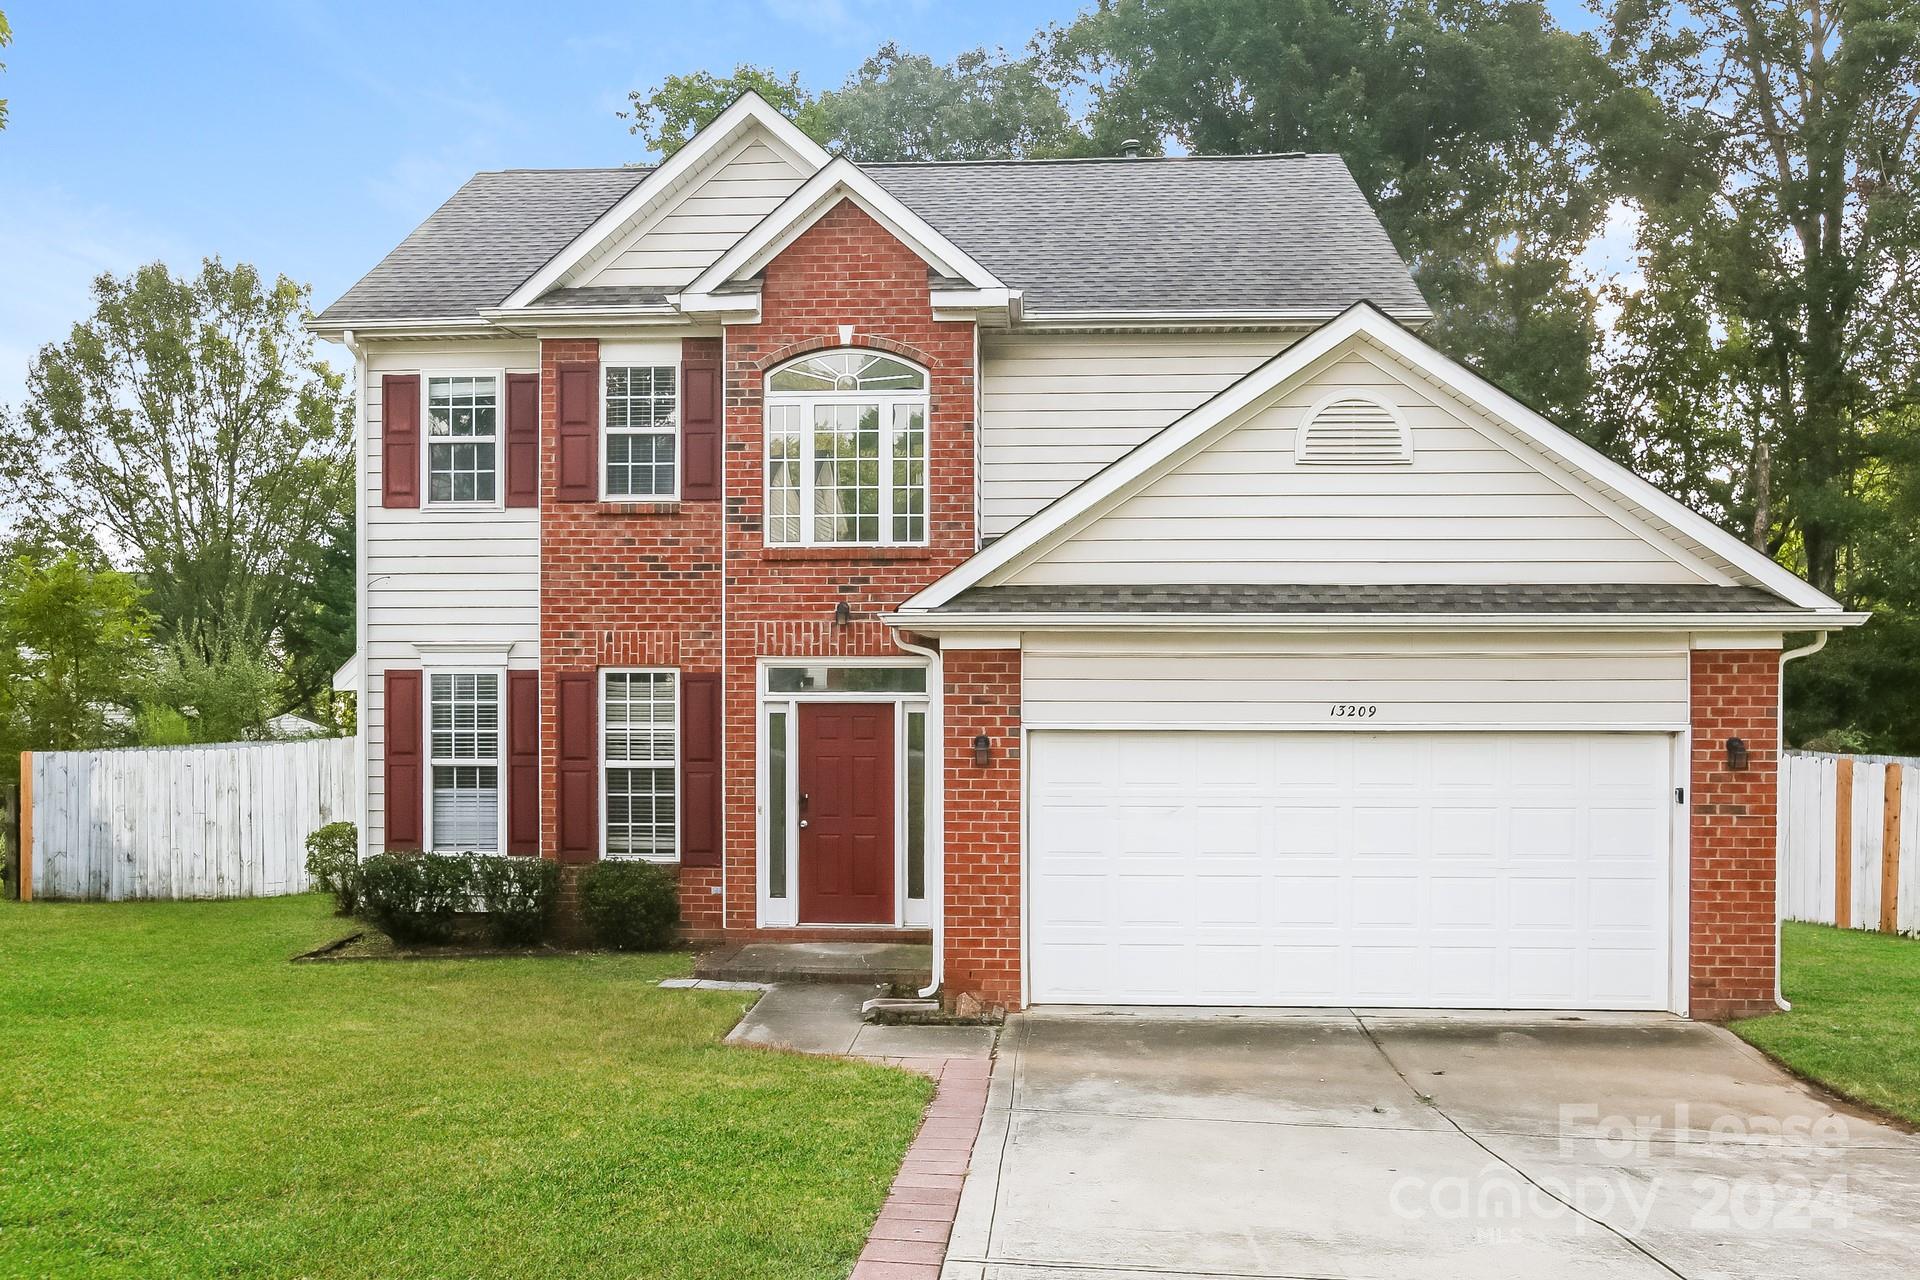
1130	148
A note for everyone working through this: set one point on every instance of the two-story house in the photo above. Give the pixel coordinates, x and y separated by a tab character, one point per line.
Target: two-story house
1083	564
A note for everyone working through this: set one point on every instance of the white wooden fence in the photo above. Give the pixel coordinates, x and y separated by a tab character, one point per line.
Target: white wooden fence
226	821
1852	828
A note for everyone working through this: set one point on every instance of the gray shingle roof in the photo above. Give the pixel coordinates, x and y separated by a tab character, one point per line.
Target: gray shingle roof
1345	598
482	243
1203	234
601	295
1198	233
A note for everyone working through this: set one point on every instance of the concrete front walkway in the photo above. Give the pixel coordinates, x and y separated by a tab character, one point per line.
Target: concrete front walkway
1120	1144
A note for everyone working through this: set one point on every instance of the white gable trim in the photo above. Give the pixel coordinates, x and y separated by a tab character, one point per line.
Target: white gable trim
840	180
1192	432
718	137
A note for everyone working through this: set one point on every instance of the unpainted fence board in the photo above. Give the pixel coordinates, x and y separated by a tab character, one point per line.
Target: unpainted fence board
195	822
1850	835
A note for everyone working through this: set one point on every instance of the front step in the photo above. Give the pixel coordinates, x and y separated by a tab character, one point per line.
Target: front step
890	964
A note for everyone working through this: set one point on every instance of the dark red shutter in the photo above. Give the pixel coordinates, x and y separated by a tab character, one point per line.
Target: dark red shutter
700	719
579	760
405	781
400	440
700	433
523	762
578	431
523	440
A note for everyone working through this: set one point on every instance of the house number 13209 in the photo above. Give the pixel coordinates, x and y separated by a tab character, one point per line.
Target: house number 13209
1354	710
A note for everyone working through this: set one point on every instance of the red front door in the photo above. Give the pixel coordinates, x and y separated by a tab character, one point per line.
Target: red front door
846	813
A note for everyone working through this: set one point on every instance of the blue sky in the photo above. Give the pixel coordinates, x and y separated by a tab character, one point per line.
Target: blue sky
308	138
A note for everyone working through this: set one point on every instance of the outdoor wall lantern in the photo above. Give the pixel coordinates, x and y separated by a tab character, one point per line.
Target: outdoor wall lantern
982	749
1736	753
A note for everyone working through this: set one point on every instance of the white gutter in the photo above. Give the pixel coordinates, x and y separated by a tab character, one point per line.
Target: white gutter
936	797
1780	808
938	623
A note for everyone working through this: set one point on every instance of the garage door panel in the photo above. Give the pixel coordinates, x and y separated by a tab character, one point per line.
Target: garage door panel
1470	870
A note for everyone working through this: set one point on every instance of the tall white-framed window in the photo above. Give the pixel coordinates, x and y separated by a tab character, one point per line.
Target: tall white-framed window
463	438
640	416
640	763
464	713
847	451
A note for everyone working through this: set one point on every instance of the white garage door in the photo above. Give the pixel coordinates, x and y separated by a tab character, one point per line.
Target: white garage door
1462	870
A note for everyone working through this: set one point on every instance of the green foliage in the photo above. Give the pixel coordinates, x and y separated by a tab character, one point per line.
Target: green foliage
333	860
630	906
72	644
318	634
415	897
981	106
518	895
6	38
190	698
667	117
189	427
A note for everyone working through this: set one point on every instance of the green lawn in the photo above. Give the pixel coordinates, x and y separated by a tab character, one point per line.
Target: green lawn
177	1100
1855	1025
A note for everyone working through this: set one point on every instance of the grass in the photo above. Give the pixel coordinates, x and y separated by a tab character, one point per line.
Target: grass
1855	1023
177	1100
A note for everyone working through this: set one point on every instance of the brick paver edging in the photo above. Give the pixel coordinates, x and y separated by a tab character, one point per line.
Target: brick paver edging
909	1239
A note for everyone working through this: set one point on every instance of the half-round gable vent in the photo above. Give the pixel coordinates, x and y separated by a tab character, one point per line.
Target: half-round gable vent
1354	431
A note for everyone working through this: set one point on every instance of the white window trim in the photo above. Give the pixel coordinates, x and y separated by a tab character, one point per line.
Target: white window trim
500	753
676	430
914	913
499	501
600	751
805	401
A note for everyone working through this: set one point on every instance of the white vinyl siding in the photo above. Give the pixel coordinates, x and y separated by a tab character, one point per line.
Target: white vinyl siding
1470	507
1477	681
443	575
1055	408
692	230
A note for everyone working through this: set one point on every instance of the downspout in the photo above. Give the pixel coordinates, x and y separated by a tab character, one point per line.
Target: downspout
937	846
1780	808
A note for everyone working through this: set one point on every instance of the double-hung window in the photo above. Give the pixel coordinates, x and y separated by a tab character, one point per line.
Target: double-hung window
847	451
640	719
463	438
642	416
464	722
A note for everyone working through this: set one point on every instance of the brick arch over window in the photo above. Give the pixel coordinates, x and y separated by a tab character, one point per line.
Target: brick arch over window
831	342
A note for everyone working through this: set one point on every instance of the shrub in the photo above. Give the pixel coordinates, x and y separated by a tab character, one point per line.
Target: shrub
630	906
415	897
333	860
518	895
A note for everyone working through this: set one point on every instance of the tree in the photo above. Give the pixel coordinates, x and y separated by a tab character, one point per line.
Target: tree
6	38
981	106
190	698
1486	137
73	644
320	631
189	432
1801	243
667	117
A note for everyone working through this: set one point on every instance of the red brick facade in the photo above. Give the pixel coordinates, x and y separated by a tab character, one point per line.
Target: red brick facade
982	866
1735	937
691	584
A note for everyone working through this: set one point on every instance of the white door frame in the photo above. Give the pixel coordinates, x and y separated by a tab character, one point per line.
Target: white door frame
912	913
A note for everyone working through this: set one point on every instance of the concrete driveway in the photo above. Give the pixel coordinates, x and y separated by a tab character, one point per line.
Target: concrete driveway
1120	1144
